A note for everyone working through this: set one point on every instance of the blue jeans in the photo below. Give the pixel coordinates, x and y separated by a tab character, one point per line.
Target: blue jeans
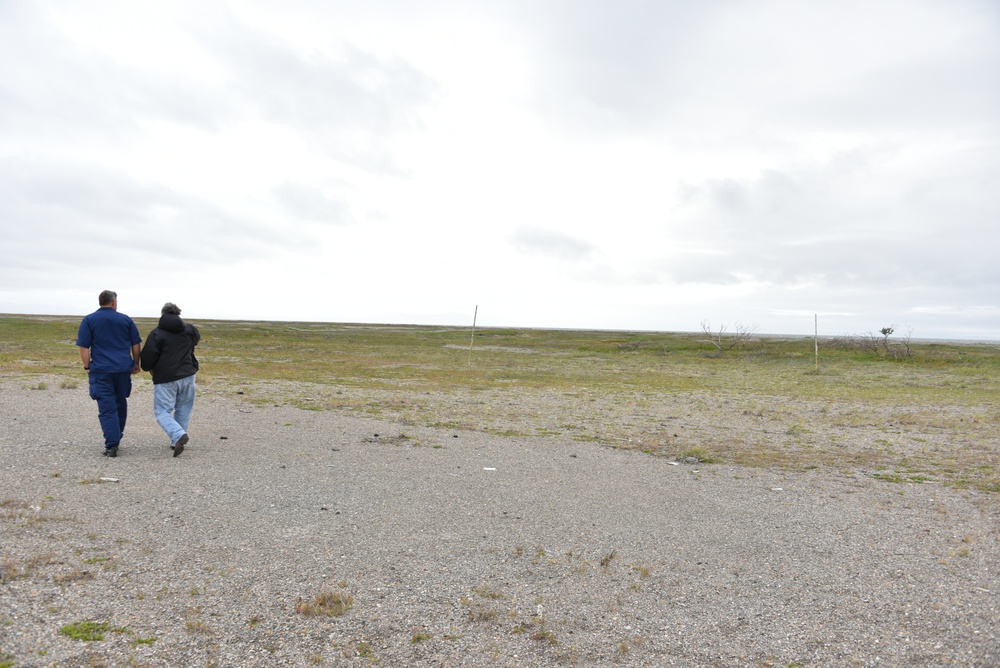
172	405
111	392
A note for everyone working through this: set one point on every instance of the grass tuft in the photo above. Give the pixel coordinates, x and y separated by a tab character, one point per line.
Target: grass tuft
325	604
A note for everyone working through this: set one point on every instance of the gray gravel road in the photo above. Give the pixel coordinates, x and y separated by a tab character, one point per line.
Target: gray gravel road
463	549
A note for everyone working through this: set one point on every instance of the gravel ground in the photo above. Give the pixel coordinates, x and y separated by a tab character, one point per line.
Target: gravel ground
459	548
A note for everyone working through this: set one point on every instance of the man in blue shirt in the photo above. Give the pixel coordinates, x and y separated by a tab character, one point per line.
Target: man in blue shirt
109	348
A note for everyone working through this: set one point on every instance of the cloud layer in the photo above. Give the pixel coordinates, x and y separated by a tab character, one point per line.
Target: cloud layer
627	165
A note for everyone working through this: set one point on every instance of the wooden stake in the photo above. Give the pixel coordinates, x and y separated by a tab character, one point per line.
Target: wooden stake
473	338
816	339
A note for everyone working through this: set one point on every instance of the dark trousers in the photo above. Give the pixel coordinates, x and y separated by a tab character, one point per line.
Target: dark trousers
111	391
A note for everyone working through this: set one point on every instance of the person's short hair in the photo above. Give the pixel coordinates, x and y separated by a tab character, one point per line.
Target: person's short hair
170	307
107	297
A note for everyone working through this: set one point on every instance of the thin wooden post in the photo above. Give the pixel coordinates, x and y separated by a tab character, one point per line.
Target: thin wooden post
473	337
816	335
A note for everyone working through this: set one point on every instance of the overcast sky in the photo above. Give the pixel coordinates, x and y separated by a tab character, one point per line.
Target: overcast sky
598	164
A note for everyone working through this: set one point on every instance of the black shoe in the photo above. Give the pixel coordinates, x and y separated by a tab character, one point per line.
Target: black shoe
111	452
179	445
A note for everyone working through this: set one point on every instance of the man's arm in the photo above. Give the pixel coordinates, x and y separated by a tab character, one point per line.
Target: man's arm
85	357
136	349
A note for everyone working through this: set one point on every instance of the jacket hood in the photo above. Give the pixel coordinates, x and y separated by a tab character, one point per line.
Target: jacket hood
171	322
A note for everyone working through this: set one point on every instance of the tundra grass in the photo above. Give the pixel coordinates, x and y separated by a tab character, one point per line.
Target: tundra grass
928	417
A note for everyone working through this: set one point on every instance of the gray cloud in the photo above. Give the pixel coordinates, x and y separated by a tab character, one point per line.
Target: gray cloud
71	92
551	244
680	67
87	216
613	65
311	203
349	103
318	92
820	227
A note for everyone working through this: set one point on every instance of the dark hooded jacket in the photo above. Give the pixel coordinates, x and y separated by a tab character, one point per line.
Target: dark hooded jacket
169	350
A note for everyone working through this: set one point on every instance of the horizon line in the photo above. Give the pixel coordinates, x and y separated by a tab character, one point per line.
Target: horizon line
769	335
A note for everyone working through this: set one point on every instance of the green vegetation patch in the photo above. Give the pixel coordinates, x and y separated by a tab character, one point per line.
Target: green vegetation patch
88	631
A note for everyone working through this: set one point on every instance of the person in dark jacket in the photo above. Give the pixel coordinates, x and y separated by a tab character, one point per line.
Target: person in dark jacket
169	355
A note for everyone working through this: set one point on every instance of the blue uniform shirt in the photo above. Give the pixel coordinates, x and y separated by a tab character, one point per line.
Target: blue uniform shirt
110	336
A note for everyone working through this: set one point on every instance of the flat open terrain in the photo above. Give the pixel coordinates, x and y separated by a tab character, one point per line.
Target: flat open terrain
361	494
